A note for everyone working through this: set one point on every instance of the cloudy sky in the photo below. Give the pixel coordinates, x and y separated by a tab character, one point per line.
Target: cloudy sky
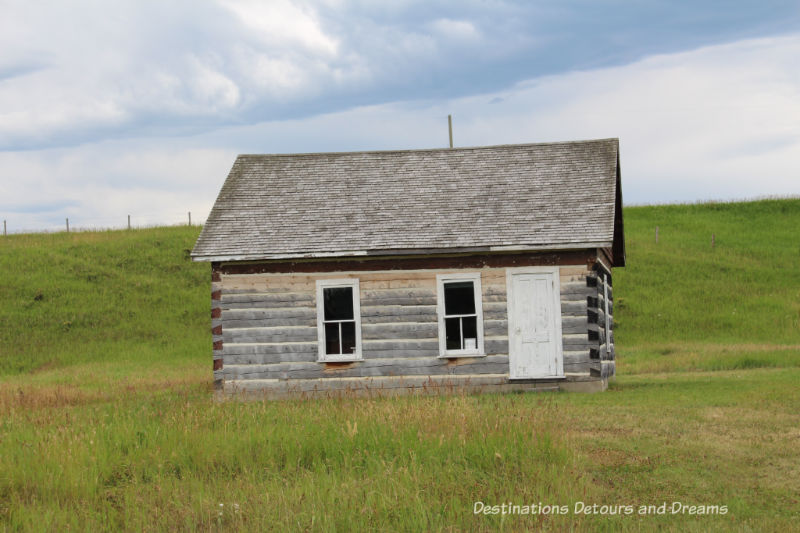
140	107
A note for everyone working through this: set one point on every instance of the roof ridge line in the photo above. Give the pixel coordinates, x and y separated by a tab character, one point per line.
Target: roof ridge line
442	149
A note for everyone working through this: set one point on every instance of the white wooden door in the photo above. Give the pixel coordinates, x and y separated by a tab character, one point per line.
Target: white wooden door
534	325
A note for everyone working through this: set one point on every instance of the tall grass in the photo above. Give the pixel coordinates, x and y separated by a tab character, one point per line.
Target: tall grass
173	459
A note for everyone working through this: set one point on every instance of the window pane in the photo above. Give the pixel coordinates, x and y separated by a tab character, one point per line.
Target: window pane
452	333
459	298
338	303
348	337
332	338
469	327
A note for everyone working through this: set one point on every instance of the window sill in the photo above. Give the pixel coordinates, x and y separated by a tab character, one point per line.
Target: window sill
454	355
340	360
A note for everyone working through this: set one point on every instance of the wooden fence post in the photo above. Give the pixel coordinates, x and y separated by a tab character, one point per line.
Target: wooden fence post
190	218
129	222
656	234
4	228
67	225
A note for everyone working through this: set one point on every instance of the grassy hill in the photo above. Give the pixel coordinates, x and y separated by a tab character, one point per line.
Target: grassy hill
118	296
683	304
106	421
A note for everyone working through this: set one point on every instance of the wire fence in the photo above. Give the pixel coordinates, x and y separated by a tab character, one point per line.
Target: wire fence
130	221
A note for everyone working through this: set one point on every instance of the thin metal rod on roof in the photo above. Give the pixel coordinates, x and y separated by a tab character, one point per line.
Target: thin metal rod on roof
450	128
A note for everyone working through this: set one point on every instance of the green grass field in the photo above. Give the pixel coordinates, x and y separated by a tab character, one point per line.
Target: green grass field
107	420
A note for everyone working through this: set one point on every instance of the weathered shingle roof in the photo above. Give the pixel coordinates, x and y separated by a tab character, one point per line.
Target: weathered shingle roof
553	195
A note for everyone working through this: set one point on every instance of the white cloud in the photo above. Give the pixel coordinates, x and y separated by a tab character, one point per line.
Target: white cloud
285	24
77	72
719	122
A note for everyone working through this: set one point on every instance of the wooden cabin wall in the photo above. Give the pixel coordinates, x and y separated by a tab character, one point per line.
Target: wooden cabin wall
576	319
601	333
264	325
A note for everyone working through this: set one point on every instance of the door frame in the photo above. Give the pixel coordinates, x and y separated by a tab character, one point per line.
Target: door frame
555	272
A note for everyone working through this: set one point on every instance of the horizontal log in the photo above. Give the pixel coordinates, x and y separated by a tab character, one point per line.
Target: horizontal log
269	313
232	348
265	304
270	334
271	358
263	289
411	344
369	367
494	290
573	308
570	325
274	298
404	348
575	290
586	345
396	293
577	368
409	300
399	330
495	328
385	320
270	322
576	357
495	310
386	314
495	346
574	338
397	310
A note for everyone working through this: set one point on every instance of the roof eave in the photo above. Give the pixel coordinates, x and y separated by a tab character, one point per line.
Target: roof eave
405	251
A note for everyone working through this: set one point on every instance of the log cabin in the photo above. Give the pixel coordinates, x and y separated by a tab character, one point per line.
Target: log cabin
416	271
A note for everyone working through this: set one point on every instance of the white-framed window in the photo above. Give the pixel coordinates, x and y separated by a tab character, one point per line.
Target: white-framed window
460	313
338	320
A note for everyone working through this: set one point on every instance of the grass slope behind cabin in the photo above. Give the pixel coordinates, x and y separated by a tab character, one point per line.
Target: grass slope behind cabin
130	298
107	421
733	305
